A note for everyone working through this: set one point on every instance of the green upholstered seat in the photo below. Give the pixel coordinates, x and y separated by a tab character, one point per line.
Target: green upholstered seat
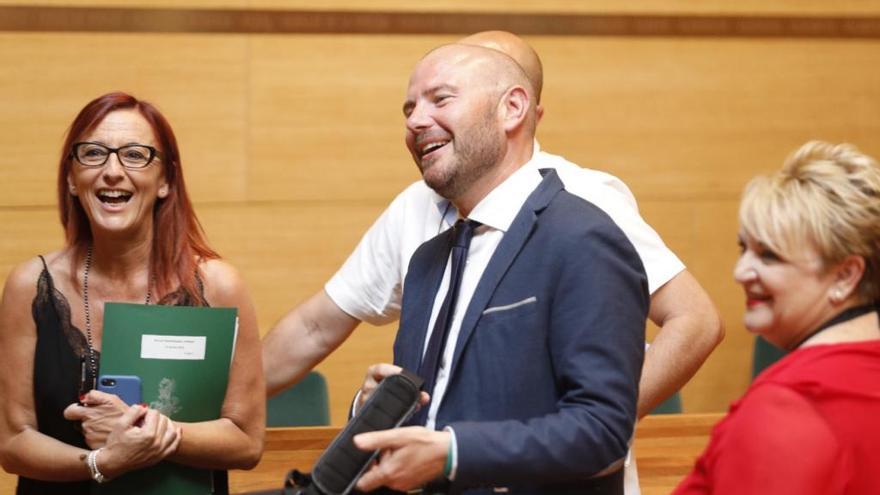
763	355
672	405
304	404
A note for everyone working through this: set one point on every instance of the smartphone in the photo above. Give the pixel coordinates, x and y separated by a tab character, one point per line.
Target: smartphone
126	387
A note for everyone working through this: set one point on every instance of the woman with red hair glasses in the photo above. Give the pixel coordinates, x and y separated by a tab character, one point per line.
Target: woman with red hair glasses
131	236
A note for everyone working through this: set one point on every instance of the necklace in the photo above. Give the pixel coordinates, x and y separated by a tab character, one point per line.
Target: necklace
93	365
846	315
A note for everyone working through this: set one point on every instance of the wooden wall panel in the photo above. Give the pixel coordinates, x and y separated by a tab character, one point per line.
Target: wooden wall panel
686	118
27	233
673	118
326	119
7	482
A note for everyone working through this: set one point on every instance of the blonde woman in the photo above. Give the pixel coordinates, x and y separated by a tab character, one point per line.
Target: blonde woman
810	264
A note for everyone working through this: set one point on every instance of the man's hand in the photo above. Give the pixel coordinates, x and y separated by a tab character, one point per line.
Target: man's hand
410	457
375	374
99	414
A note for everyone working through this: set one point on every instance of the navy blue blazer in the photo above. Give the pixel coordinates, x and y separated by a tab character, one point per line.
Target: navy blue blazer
545	374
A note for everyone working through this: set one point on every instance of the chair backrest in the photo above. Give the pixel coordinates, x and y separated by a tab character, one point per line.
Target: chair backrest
304	404
672	405
763	355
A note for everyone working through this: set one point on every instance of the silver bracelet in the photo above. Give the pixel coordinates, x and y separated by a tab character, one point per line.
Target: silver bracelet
92	463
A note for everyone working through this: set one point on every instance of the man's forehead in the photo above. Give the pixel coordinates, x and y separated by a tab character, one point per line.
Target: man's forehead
443	67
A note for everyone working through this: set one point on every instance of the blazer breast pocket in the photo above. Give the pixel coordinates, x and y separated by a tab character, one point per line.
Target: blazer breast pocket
511	318
515	307
511	332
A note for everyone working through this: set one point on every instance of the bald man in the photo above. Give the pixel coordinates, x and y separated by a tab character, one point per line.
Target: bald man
534	391
369	286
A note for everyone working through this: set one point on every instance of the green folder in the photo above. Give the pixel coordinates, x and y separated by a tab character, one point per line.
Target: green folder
182	355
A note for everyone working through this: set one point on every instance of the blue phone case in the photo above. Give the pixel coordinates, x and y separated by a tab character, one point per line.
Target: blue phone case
126	387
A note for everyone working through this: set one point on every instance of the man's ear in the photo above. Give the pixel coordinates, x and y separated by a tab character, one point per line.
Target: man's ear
515	107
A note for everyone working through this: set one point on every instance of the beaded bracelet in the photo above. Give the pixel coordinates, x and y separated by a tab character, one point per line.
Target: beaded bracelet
92	463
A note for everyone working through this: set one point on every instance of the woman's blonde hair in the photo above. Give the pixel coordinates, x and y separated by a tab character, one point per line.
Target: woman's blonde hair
826	196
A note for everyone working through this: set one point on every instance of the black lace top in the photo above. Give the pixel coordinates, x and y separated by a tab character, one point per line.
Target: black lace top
58	372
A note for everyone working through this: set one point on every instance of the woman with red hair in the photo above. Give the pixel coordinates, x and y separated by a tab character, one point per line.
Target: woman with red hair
132	236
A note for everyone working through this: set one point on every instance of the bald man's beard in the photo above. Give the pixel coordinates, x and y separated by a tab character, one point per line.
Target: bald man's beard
476	152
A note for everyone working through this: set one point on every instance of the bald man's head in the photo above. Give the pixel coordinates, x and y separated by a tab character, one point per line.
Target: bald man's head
515	48
469	113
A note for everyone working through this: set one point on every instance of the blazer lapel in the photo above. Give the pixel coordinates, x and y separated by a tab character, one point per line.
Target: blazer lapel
511	244
419	291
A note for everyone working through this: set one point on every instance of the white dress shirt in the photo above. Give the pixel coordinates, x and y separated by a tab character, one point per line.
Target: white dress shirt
495	212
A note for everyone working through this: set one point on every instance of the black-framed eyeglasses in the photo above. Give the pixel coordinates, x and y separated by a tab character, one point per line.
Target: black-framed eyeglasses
133	156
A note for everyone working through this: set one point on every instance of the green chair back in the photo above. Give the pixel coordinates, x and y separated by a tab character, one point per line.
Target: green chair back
672	405
304	404
764	355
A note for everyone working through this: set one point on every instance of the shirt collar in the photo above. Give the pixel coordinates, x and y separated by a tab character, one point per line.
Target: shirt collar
498	209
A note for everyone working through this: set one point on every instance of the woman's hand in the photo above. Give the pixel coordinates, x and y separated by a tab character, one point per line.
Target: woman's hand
99	414
140	438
